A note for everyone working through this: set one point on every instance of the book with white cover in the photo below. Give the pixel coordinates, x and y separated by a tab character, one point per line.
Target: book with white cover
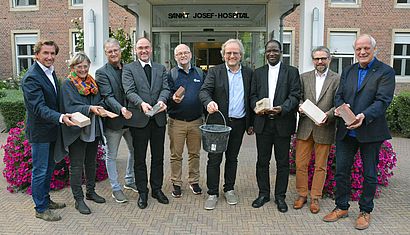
312	111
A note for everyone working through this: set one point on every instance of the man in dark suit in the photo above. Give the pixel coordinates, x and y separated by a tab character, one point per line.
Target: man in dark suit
108	78
145	85
280	83
319	86
226	89
368	87
41	94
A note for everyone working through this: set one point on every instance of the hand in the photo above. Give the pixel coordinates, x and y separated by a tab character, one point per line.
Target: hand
300	110
127	114
177	99
260	112
95	109
323	122
358	122
250	131
212	107
66	119
162	105
145	107
274	110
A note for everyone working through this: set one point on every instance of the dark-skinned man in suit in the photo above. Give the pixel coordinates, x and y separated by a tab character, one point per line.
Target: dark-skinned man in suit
367	87
273	127
145	85
41	98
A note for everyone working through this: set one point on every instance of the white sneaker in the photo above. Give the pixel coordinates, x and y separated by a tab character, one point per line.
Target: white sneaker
231	198
210	203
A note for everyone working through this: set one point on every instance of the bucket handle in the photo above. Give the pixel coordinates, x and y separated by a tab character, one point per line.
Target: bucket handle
206	120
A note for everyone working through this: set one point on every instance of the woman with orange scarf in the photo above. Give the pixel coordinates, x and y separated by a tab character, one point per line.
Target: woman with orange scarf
80	94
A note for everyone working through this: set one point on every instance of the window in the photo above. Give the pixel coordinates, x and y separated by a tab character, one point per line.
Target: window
402	4
287	47
403	1
24	44
76	2
344	1
341	47
401	54
75	43
24	3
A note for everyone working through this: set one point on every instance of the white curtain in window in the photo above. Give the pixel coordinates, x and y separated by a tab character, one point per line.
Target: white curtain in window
402	38
342	43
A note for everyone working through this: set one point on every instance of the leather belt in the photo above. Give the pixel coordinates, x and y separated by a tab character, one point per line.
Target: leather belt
236	119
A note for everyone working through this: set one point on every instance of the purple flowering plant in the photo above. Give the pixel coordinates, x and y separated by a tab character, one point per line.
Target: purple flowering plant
18	164
387	162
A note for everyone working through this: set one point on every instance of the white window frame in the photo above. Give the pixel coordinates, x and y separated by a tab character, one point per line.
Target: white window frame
72	33
405	34
17	36
401	5
15	7
341	4
72	5
289	39
347	51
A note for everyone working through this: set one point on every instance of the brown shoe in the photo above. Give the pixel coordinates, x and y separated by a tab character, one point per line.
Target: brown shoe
314	205
299	202
363	220
48	215
335	215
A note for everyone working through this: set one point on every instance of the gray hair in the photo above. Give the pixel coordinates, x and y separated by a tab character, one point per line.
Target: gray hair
179	46
78	59
321	48
237	41
112	41
372	40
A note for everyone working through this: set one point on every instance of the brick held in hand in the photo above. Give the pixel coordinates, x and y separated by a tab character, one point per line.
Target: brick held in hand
80	119
262	105
347	114
106	113
180	92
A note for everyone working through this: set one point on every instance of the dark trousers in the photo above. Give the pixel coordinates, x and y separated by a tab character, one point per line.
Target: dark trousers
82	158
345	153
156	137
231	159
264	142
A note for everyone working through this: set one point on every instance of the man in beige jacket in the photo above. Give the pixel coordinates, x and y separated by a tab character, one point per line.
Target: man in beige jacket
319	86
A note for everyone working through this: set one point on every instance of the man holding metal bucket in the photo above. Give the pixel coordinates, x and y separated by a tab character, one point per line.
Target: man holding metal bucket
226	89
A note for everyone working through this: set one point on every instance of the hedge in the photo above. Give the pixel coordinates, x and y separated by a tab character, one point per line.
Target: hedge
403	110
12	107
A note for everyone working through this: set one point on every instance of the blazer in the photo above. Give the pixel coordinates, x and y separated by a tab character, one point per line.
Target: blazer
110	87
372	99
306	127
287	95
41	102
216	88
138	90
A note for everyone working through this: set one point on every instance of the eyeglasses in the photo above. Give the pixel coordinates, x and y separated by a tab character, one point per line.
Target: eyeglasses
321	58
234	53
115	51
81	66
183	53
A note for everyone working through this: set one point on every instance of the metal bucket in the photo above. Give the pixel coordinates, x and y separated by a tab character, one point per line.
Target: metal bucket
214	136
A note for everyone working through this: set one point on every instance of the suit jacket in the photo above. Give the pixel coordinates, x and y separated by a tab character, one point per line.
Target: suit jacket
41	102
372	99
321	134
110	87
216	88
287	95
138	90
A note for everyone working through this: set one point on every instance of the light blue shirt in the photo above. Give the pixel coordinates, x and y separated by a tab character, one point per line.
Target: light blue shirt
236	94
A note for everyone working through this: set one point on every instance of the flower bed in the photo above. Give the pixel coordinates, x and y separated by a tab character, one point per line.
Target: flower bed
18	164
387	161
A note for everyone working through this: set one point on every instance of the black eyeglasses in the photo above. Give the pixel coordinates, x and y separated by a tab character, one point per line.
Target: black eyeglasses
321	58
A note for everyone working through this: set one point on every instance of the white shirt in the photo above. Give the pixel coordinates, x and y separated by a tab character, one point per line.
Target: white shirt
49	74
320	79
144	63
273	80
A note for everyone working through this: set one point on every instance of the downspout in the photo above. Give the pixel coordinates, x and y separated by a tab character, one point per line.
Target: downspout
282	17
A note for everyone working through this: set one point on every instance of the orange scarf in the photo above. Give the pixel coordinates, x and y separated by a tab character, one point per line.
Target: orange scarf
89	86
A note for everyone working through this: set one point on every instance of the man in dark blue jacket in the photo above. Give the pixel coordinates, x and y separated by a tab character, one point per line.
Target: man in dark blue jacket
41	95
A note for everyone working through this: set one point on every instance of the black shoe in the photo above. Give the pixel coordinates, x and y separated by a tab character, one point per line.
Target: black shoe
195	189
55	205
260	201
94	197
82	207
160	196
282	207
177	191
143	200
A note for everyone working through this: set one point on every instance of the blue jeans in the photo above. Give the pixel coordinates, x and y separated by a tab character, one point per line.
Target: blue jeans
43	167
113	141
345	152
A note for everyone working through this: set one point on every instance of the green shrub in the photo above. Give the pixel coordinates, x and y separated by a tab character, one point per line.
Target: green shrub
12	107
392	116
403	117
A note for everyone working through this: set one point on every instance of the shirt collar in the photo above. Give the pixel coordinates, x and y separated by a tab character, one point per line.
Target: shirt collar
229	69
180	67
321	75
45	69
277	66
369	65
144	63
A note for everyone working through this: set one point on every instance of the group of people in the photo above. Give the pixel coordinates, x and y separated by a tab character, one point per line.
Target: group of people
147	97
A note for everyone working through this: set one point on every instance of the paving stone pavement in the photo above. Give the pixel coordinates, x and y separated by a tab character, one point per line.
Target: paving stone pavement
186	215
